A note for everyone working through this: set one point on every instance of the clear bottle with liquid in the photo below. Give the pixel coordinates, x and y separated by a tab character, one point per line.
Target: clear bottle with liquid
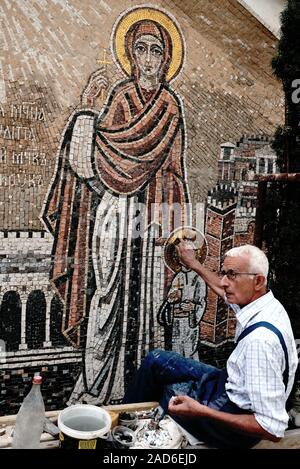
30	418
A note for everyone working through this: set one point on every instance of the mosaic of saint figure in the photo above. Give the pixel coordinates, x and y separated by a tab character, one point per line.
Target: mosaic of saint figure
119	175
181	312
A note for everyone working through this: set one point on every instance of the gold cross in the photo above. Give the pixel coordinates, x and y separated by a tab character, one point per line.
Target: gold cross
105	62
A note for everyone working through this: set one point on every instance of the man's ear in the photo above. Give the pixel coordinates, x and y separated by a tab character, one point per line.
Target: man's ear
259	281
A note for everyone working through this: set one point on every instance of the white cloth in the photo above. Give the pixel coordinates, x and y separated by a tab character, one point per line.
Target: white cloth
255	367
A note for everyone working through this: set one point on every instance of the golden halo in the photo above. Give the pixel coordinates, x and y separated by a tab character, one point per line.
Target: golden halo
148	13
187	233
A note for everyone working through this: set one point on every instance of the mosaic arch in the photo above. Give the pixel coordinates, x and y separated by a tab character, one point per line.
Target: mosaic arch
119	190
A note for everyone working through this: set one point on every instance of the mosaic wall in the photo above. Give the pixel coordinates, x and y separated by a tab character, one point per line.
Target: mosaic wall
113	118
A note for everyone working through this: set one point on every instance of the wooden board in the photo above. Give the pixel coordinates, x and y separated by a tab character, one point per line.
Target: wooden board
291	439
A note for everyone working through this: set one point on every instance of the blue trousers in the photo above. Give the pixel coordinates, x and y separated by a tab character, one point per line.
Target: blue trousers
165	374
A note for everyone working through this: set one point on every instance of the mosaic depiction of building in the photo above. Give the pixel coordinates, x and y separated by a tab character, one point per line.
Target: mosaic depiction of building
230	219
118	186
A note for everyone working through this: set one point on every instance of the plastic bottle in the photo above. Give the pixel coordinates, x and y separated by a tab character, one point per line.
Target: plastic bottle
30	418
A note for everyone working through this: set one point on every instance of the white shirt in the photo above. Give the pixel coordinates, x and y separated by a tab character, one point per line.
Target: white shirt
255	367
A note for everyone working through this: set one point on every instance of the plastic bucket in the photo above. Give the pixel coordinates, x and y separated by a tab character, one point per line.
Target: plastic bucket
83	426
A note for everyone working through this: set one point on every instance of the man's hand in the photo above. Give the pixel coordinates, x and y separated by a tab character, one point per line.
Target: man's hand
187	255
186	407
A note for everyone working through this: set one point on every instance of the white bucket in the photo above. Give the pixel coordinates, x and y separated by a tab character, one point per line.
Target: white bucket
81	423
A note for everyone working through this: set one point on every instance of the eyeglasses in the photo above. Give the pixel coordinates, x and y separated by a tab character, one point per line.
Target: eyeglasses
231	274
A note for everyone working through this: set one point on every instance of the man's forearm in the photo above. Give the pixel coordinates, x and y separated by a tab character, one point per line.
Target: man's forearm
211	278
243	423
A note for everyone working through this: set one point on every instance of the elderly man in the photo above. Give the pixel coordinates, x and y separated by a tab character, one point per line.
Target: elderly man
237	406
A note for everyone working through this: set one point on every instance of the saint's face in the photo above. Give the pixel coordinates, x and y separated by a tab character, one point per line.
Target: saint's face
148	52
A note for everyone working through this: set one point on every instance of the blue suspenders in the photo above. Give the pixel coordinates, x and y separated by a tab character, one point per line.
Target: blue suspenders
276	331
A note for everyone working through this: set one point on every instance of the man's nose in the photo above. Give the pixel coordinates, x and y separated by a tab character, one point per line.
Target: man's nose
224	281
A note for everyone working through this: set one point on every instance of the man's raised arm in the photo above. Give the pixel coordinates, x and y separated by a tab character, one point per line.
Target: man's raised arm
187	257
